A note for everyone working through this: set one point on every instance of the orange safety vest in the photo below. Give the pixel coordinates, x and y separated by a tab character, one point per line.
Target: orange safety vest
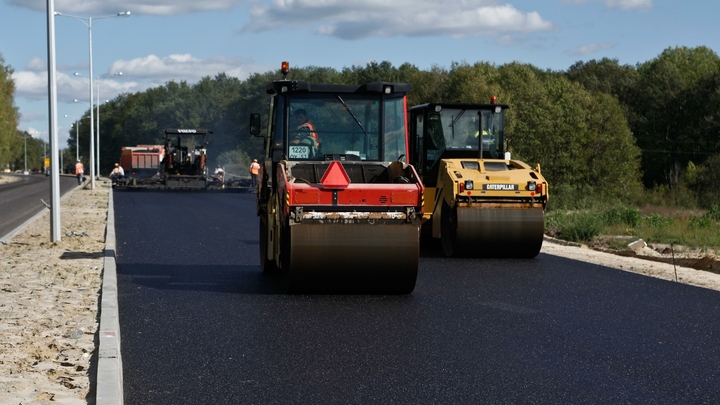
79	169
255	168
310	128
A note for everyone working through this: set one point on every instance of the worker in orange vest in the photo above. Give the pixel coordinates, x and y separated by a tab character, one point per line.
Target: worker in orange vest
79	170
255	172
305	129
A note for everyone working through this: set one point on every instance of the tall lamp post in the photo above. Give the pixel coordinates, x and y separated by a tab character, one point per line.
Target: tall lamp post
88	22
25	138
77	137
77	140
98	118
52	125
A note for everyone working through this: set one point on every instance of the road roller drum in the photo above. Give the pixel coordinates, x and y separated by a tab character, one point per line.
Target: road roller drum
494	232
352	258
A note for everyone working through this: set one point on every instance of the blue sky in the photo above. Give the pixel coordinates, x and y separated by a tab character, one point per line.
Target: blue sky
174	40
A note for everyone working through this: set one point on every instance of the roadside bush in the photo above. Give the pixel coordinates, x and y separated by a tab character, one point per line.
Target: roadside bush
708	182
714	213
658	221
699	222
579	227
664	196
565	197
621	215
554	222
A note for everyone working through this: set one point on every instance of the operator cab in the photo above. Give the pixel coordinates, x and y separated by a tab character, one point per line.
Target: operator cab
336	122
452	130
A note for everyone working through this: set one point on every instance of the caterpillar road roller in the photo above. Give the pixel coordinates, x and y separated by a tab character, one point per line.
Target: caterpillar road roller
339	207
478	201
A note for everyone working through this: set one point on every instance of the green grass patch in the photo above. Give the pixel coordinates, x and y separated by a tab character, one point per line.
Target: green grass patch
693	231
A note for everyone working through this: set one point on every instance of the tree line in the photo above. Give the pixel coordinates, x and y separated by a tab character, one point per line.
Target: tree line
600	130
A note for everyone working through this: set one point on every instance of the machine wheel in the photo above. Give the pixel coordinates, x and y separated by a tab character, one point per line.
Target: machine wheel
448	230
268	266
286	276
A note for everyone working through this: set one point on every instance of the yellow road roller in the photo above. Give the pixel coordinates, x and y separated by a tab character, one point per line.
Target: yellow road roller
478	201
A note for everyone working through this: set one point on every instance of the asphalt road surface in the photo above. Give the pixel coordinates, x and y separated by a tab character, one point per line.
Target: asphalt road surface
21	200
200	324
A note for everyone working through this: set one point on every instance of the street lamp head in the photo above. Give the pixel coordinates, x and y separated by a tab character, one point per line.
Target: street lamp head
57	13
76	74
123	13
75	101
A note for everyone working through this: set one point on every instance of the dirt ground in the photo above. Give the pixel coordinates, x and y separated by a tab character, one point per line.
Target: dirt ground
50	295
49	304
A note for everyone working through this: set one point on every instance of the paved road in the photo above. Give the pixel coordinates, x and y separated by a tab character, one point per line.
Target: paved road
200	324
20	200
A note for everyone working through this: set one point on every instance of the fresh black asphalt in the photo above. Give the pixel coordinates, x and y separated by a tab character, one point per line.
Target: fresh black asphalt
200	324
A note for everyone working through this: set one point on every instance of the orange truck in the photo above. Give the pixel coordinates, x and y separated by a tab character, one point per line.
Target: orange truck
141	161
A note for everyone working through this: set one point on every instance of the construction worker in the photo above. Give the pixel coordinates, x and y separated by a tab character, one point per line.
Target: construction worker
117	173
79	170
219	172
488	141
255	172
305	129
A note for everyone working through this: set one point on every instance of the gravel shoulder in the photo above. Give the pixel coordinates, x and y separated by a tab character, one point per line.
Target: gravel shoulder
49	306
644	261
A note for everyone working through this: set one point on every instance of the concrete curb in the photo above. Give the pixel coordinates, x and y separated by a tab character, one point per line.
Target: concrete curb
109	390
563	242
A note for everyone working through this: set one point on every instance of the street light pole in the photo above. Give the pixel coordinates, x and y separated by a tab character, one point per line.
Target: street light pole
52	104
92	135
77	141
98	129
98	121
25	137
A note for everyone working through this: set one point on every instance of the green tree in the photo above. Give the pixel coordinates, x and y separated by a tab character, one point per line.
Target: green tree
9	139
708	182
606	76
670	128
473	83
581	139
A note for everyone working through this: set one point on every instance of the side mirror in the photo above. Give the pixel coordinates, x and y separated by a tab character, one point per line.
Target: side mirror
255	124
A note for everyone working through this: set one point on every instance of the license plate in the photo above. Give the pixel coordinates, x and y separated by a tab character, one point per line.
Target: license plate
299	152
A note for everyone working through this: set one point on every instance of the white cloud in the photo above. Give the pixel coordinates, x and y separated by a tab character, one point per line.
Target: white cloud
382	18
629	4
588	49
34	86
621	4
36	65
137	75
341	18
185	67
148	7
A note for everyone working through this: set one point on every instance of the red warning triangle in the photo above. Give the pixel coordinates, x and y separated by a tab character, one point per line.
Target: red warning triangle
335	176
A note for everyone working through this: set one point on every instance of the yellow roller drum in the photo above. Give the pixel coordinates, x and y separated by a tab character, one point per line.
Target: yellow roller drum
492	232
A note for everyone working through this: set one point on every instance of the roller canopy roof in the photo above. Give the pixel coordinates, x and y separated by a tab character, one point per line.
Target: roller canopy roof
374	87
